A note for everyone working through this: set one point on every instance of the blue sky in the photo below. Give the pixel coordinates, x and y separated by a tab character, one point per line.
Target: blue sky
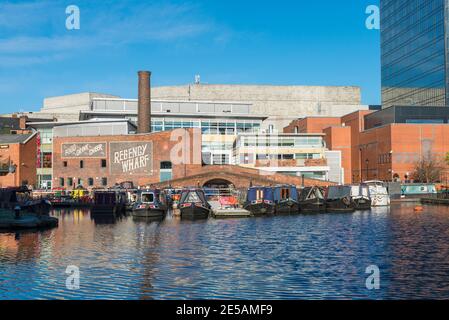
225	41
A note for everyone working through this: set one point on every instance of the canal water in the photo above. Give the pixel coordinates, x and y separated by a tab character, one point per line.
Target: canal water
295	257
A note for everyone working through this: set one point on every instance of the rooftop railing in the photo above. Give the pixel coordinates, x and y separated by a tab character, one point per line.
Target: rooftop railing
130	106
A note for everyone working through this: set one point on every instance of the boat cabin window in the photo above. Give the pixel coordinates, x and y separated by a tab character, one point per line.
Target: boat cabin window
147	197
311	194
319	194
193	197
259	194
285	193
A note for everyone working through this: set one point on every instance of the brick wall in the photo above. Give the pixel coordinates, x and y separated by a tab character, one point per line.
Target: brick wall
23	156
163	149
339	138
312	124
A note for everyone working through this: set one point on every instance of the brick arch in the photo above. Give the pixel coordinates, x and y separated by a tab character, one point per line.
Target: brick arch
218	181
240	177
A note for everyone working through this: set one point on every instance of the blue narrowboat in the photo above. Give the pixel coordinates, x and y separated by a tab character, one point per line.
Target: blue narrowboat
286	199
260	201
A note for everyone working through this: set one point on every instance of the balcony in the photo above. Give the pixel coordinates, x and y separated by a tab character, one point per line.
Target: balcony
291	163
315	162
275	163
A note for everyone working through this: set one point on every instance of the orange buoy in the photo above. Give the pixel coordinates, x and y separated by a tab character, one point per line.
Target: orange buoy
419	209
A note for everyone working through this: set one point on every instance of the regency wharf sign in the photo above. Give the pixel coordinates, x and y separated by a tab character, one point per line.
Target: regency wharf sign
131	157
84	150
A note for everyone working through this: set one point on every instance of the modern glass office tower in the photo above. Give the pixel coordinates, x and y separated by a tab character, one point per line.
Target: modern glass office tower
414	52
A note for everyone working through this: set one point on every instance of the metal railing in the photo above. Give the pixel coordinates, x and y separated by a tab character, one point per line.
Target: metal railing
130	106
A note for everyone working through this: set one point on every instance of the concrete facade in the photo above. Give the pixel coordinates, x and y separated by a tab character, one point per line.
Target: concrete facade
281	104
73	103
267	99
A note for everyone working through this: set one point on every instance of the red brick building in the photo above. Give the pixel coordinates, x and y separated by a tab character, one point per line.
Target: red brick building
387	152
17	160
160	159
144	159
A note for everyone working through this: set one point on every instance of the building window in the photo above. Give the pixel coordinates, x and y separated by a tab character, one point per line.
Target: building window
166	171
47	160
46	136
61	182
246	158
65	164
166	165
81	164
70	182
104	182
103	163
220	159
90	182
80	181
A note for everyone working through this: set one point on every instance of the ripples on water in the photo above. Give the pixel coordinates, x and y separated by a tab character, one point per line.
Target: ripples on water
296	257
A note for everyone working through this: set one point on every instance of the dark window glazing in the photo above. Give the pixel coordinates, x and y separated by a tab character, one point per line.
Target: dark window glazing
413	52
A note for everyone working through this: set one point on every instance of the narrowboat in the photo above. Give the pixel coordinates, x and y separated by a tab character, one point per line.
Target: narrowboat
378	193
260	201
12	197
285	199
311	200
193	204
418	190
108	202
150	204
361	197
338	199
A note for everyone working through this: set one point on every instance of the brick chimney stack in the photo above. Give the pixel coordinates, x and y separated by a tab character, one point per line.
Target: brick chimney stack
144	104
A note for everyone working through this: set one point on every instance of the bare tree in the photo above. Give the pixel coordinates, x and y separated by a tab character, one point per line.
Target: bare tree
428	169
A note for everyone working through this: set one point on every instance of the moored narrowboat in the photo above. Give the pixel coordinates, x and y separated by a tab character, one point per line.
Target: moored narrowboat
108	202
150	204
378	193
193	204
260	201
311	200
360	197
338	199
12	197
285	199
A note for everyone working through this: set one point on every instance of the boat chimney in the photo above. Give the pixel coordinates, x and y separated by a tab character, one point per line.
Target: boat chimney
144	103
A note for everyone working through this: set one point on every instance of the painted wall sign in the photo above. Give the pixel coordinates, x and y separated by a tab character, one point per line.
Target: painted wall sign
84	150
131	157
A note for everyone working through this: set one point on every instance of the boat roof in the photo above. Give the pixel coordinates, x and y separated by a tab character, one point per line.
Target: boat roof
150	190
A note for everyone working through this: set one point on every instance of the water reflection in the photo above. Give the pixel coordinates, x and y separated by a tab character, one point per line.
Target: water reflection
316	256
